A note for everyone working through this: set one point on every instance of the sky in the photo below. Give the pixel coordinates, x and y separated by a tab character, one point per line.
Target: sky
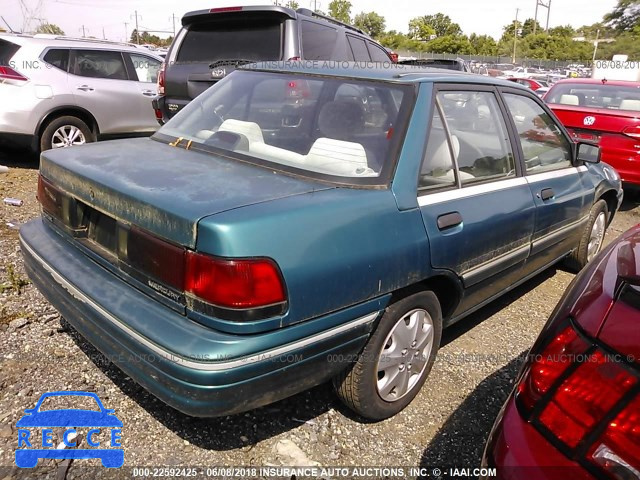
109	16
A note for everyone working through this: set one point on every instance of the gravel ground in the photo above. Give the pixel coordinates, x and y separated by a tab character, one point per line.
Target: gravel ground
446	425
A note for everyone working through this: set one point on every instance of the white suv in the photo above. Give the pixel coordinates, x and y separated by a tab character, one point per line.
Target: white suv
58	91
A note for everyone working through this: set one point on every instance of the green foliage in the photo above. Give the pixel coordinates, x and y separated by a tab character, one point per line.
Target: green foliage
292	4
371	22
483	45
438	24
50	28
625	16
526	28
455	44
147	38
563	31
340	10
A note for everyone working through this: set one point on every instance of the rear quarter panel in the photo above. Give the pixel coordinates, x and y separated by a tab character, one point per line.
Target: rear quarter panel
335	248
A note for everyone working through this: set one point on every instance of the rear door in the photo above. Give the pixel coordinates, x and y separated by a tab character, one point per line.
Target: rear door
477	207
211	46
559	188
144	70
100	84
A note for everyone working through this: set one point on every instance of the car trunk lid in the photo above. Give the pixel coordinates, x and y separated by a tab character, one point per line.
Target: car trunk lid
162	189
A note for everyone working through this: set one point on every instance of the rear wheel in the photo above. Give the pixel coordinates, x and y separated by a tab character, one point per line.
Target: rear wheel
592	238
64	132
396	360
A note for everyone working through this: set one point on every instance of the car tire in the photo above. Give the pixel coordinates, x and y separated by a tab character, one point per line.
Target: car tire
64	132
592	238
372	387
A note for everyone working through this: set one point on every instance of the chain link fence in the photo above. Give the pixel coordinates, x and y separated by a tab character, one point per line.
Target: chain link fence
489	59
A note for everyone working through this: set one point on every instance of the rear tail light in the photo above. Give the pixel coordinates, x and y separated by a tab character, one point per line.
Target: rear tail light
225	9
49	197
8	73
294	59
632	131
582	400
238	284
617	451
298	89
161	82
545	368
162	260
568	391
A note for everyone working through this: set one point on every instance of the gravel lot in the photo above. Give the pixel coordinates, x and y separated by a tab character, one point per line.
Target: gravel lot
445	426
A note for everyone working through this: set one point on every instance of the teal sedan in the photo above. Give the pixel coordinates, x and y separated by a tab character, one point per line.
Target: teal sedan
311	221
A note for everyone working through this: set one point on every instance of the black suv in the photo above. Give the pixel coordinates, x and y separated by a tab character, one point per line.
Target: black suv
212	43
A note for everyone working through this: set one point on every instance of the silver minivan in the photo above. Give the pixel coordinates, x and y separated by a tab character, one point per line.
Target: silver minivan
58	91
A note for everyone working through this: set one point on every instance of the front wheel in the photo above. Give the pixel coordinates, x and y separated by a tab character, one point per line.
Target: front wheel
396	360
592	238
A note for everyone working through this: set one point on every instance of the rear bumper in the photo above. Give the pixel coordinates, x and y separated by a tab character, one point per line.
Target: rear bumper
104	309
517	450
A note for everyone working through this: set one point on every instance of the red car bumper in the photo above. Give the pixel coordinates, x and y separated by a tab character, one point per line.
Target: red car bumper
518	451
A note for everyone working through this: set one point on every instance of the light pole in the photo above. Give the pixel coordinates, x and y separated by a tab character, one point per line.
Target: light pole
515	36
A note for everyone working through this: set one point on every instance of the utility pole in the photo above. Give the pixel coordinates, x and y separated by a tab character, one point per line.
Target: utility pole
535	18
126	32
83	31
104	37
548	14
595	46
515	36
137	29
173	17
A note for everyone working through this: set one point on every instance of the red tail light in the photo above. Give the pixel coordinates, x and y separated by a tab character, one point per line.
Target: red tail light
225	9
617	451
161	82
245	284
8	73
546	367
160	259
572	407
632	131
293	59
49	197
585	397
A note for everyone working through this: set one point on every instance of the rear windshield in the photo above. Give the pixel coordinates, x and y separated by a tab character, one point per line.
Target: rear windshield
7	51
241	39
596	96
338	129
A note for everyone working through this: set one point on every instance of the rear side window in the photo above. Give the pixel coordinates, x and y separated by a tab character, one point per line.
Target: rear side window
59	58
99	64
359	49
318	41
241	39
7	51
377	53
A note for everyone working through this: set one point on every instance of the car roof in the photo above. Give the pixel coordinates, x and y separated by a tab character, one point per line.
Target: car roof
388	72
596	81
46	40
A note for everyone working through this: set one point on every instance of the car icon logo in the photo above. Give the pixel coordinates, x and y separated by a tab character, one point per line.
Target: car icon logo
588	121
30	450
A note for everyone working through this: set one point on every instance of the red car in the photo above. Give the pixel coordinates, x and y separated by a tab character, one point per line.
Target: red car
575	410
529	82
605	112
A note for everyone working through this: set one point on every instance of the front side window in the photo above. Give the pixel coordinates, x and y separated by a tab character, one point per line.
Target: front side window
146	68
99	64
543	145
316	125
478	135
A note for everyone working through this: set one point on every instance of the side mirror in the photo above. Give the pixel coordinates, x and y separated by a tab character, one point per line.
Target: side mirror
587	152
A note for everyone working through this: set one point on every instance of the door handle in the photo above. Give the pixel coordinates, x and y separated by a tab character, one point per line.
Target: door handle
149	93
546	194
449	220
85	88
